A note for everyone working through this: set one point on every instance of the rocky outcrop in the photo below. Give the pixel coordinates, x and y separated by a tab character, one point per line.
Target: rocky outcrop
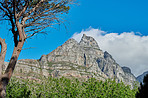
88	41
109	66
126	69
87	55
79	58
82	60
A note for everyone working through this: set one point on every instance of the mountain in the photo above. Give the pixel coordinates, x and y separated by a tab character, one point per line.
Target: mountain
82	60
141	77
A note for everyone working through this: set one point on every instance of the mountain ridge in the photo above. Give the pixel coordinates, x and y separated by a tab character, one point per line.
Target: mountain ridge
141	77
82	60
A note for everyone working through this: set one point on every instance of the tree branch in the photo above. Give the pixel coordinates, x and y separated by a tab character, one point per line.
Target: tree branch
6	13
24	9
33	9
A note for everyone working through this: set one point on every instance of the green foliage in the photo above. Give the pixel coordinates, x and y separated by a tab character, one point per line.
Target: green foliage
69	88
16	89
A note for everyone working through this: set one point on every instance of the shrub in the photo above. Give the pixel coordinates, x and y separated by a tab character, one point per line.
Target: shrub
69	88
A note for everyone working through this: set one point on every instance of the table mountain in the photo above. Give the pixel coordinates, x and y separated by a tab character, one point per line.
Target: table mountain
82	60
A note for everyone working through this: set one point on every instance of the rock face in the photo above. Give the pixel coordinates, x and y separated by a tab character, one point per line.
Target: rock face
82	60
141	77
126	69
88	42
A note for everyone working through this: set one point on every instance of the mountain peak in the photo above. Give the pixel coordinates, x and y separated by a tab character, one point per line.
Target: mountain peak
88	41
106	54
82	60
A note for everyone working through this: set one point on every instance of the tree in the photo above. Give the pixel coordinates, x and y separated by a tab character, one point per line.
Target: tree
143	89
27	18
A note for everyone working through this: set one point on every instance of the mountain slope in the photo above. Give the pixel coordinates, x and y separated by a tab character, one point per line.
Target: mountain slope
141	77
82	60
88	55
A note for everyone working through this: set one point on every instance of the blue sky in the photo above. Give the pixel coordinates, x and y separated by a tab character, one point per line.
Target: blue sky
111	15
116	16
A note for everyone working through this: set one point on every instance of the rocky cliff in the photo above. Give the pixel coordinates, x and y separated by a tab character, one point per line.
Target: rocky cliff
82	60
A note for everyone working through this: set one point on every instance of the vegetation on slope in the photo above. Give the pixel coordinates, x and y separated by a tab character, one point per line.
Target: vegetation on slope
68	88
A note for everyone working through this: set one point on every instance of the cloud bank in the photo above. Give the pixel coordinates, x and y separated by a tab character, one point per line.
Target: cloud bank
127	48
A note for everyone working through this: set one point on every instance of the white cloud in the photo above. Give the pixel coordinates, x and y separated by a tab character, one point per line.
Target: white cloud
127	48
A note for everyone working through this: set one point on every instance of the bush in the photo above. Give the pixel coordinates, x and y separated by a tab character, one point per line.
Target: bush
69	88
16	89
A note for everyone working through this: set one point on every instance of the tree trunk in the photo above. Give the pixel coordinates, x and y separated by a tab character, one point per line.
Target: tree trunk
5	78
2	58
2	53
9	71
